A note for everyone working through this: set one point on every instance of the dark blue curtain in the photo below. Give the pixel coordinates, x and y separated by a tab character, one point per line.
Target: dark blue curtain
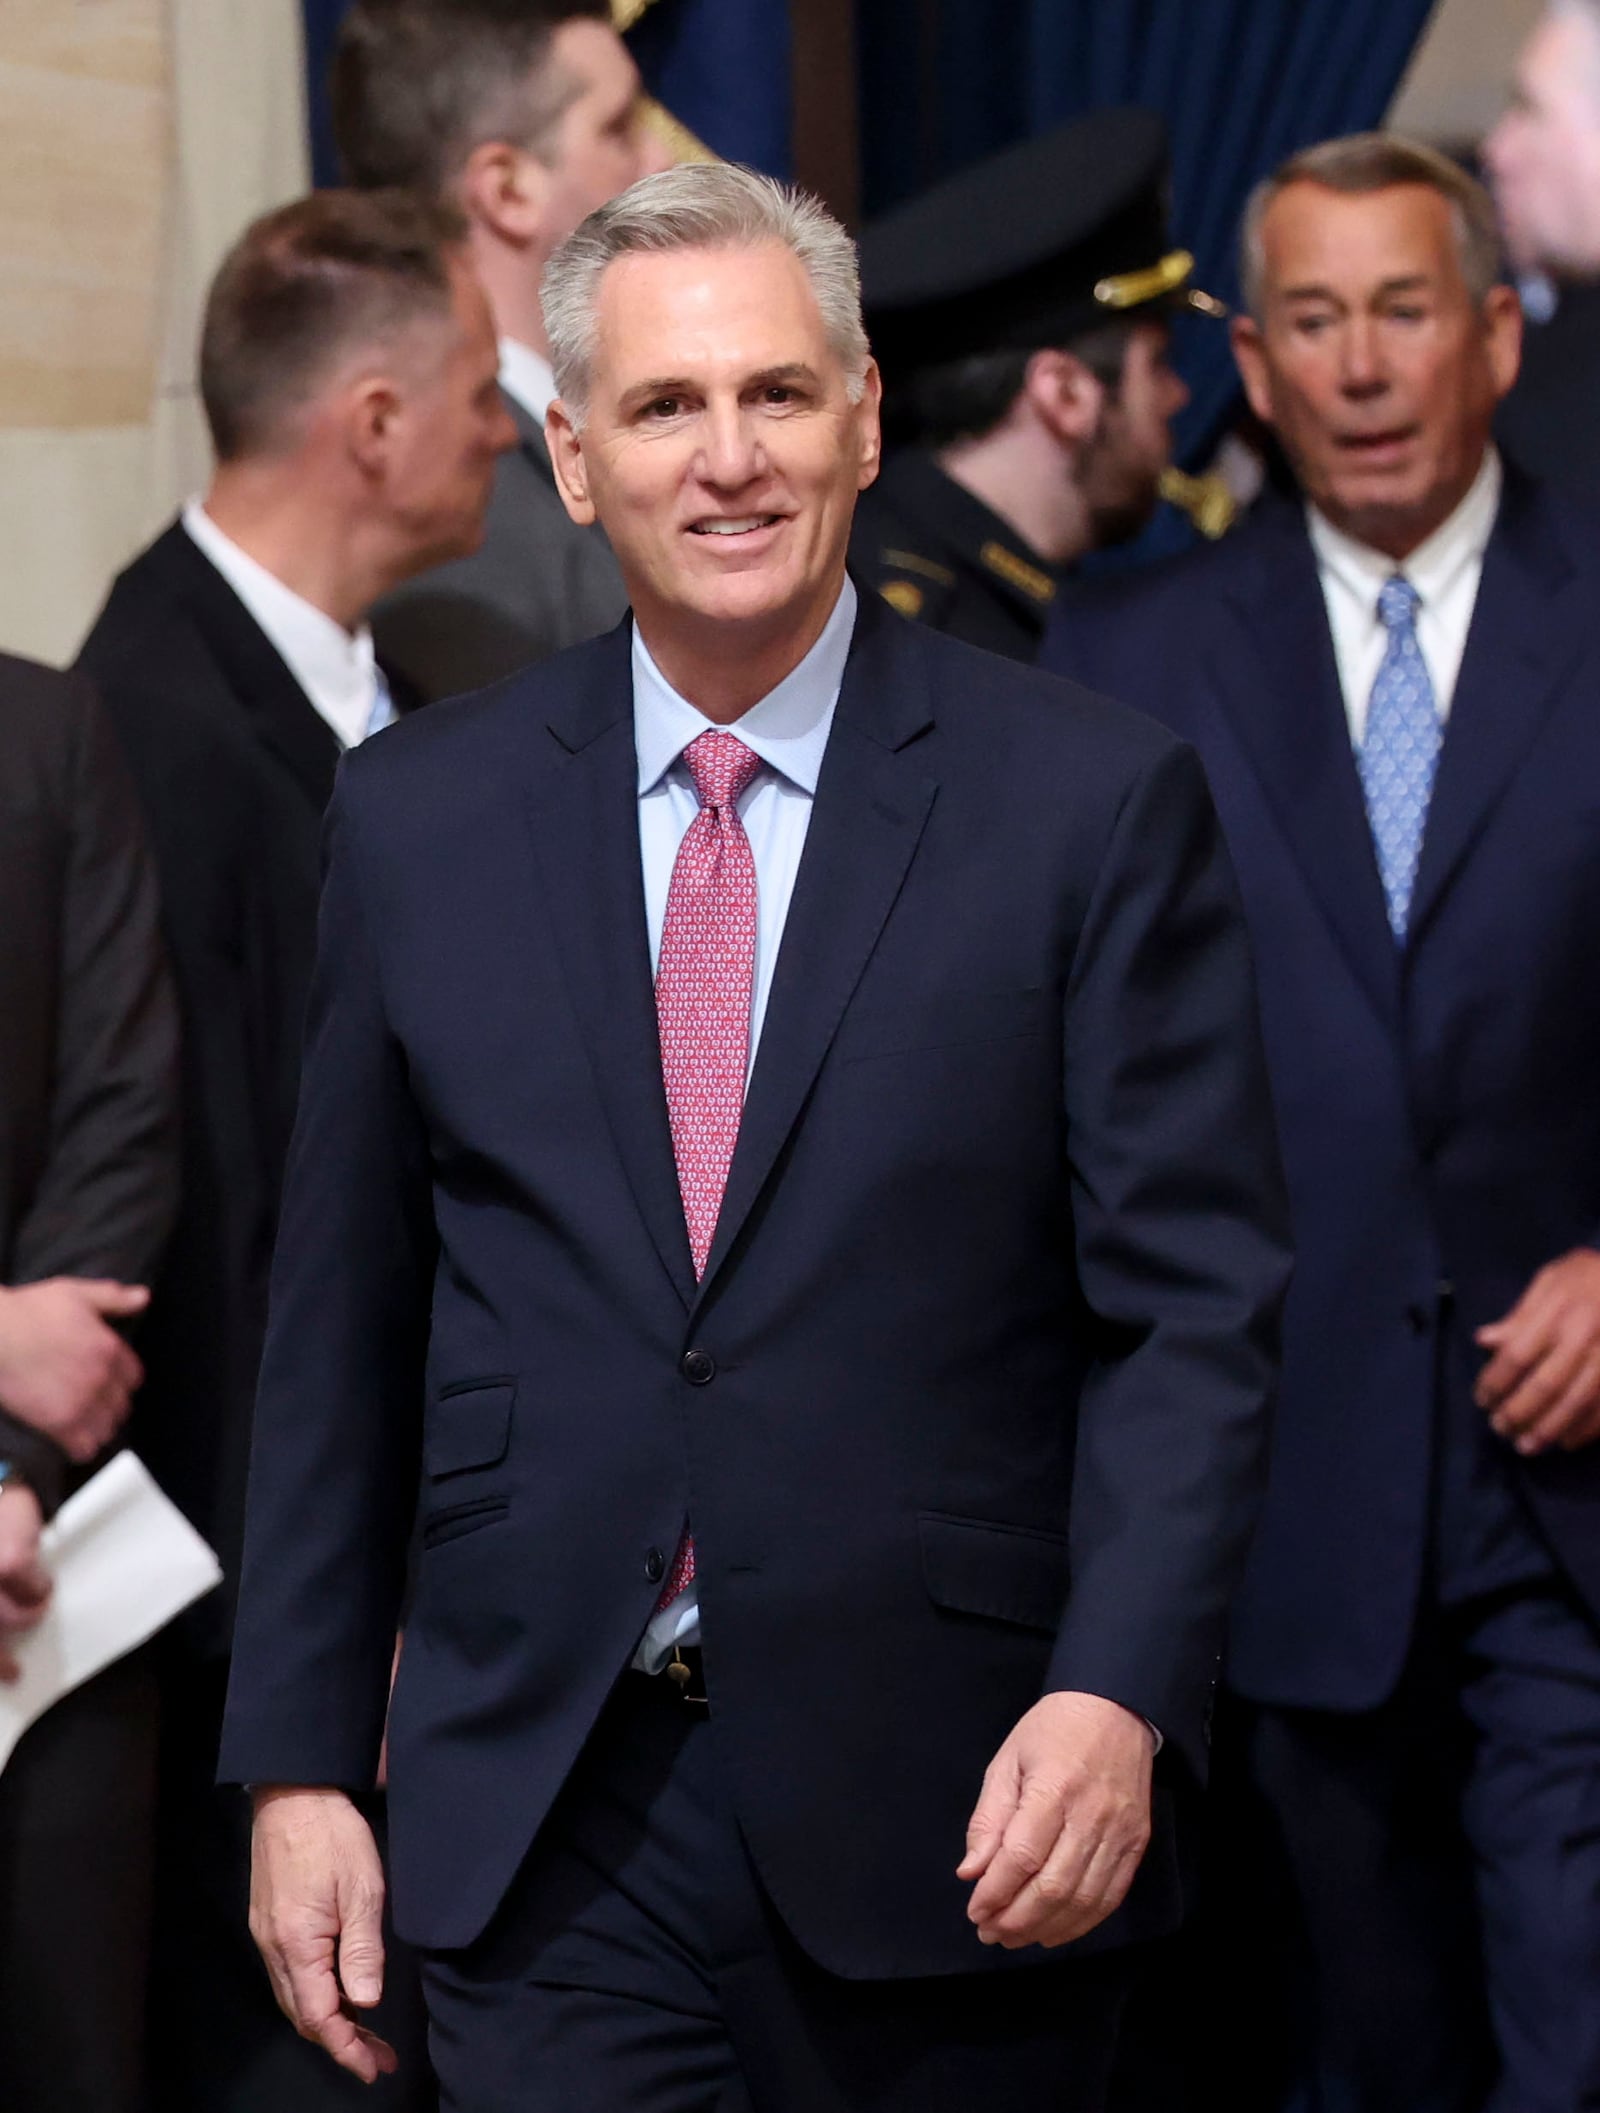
1241	83
322	19
722	68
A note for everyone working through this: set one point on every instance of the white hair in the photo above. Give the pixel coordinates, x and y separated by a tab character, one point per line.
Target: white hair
699	205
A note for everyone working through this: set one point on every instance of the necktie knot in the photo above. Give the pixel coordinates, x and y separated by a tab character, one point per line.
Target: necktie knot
1398	602
721	766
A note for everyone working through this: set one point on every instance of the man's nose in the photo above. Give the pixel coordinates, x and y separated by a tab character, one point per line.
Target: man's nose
1494	149
1361	366
731	453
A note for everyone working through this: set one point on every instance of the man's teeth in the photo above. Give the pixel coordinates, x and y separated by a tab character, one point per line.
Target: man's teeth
733	528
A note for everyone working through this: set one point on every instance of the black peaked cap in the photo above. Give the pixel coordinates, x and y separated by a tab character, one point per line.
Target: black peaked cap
1026	248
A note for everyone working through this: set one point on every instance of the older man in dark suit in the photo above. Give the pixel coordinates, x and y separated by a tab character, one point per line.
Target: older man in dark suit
523	114
817	1481
1393	686
348	367
88	1188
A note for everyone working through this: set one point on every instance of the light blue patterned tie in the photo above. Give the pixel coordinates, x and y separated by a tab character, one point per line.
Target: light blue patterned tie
1401	750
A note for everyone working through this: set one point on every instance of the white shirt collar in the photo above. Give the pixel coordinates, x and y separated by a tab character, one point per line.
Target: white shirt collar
788	728
527	377
336	668
1434	566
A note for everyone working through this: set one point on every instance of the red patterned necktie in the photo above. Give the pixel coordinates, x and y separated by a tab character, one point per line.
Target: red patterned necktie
704	980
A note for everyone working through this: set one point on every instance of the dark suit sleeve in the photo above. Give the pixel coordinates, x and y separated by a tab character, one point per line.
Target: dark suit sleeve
334	1463
1182	1247
108	1193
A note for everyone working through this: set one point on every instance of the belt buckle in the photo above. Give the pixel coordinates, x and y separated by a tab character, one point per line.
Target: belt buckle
681	1674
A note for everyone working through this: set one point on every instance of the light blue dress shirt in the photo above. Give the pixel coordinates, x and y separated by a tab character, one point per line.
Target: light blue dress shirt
788	730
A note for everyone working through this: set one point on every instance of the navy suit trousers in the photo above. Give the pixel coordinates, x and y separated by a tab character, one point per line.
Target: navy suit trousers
636	1966
1419	1885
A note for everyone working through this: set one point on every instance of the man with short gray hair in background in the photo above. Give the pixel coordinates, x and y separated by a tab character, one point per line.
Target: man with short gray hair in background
1543	160
523	115
784	1200
1391	679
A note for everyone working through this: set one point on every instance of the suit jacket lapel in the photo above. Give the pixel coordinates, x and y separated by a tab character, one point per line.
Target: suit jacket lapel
586	834
282	716
1289	714
1527	626
873	798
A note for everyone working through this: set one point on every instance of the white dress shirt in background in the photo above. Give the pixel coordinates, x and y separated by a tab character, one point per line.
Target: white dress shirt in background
336	668
527	377
1445	571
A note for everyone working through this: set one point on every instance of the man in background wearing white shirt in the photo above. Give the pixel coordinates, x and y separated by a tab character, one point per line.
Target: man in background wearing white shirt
525	115
348	367
1392	679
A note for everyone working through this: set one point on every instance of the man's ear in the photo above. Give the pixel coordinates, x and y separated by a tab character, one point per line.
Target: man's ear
868	411
1502	323
506	191
1250	357
1064	395
368	417
561	437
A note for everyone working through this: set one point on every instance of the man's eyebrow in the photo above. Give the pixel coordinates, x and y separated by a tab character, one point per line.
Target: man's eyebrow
1402	282
646	392
790	371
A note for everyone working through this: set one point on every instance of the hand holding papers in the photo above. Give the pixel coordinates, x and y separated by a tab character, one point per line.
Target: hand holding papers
125	1562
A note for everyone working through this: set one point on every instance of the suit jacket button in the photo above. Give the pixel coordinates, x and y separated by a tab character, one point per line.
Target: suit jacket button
699	1367
655	1566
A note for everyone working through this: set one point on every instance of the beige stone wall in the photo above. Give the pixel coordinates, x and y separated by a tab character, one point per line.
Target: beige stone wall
136	138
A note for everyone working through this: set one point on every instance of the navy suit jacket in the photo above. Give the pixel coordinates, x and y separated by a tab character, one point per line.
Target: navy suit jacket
983	1345
1439	1106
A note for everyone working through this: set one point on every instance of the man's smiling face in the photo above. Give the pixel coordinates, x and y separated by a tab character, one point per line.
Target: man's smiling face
720	449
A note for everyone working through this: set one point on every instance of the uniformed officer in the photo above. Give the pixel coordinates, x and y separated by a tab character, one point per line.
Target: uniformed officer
1019	312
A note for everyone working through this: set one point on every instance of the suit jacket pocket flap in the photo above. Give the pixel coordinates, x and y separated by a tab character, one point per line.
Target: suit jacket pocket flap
1010	1573
469	1426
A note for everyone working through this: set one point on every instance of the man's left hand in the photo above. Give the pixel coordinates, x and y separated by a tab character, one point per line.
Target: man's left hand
1063	1819
1541	1386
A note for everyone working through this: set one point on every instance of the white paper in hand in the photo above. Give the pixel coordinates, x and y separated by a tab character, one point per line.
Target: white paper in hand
125	1562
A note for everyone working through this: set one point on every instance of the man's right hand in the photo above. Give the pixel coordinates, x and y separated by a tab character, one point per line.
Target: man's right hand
63	1368
24	1581
316	1913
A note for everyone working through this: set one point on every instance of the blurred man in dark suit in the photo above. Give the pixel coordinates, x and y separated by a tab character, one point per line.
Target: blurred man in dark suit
88	1189
1543	158
348	367
524	114
1020	314
1392	680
